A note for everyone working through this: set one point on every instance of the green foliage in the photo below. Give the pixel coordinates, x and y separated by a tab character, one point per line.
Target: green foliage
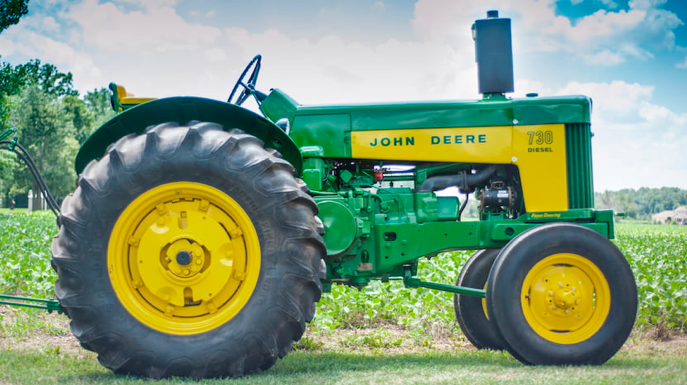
48	136
88	113
52	120
658	256
417	309
45	76
11	11
13	79
307	343
25	251
643	202
380	338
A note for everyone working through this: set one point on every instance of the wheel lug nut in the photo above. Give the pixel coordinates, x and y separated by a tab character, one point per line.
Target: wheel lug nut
184	257
560	284
550	294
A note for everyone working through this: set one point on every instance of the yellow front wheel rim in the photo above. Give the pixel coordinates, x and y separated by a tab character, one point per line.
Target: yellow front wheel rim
565	298
184	258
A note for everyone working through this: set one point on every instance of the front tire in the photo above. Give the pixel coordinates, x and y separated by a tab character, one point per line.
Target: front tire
562	294
188	251
471	312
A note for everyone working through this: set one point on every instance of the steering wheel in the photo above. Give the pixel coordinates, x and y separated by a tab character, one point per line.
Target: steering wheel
248	87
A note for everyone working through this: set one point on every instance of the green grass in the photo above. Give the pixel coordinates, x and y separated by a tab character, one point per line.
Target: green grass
460	367
13	211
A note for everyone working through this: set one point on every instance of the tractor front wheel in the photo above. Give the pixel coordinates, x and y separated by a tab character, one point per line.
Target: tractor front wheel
562	294
471	312
188	251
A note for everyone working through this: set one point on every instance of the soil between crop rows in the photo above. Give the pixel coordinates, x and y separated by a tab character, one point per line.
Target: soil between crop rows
50	334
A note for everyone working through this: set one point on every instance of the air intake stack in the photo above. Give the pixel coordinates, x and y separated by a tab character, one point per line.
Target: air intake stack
494	54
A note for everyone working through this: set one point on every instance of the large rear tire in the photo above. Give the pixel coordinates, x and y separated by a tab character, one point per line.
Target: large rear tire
188	251
471	312
562	294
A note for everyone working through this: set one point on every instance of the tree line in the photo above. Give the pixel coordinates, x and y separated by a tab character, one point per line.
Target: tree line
52	120
643	202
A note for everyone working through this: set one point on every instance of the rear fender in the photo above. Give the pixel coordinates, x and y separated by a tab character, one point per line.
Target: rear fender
183	110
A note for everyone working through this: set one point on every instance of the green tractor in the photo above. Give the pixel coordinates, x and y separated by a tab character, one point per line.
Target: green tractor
201	234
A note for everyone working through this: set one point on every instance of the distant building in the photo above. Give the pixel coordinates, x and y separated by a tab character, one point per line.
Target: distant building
678	216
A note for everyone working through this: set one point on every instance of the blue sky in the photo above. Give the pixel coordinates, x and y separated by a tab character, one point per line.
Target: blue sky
629	56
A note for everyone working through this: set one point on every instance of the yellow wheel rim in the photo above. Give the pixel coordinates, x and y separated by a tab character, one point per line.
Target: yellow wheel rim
484	304
565	298
184	258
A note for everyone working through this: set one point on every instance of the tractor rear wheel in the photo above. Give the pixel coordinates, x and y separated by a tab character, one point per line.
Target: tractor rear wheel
188	251
471	312
562	294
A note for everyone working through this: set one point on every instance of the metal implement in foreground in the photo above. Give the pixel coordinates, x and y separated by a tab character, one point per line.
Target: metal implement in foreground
201	234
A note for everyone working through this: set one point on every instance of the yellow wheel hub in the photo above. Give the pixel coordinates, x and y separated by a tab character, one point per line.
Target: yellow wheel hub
565	298
184	258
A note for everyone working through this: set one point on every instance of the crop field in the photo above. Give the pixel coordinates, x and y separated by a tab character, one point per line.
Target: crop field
657	254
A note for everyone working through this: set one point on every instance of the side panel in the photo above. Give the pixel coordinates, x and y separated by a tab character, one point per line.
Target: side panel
539	153
469	144
184	110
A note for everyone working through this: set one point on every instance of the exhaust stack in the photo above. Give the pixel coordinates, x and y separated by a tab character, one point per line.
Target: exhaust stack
494	54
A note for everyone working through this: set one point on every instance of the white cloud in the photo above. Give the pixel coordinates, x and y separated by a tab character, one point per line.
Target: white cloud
633	134
50	25
6	46
682	64
604	58
161	29
642	28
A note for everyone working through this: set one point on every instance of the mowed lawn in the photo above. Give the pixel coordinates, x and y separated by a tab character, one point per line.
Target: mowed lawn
642	363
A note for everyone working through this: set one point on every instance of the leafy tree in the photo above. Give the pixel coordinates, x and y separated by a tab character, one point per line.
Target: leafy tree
98	104
643	202
52	120
49	136
11	11
88	113
46	76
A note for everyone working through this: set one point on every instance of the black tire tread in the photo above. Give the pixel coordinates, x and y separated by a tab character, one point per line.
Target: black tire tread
292	281
479	330
516	260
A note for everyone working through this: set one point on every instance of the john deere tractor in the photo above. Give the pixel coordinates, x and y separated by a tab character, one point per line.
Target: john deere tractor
201	234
